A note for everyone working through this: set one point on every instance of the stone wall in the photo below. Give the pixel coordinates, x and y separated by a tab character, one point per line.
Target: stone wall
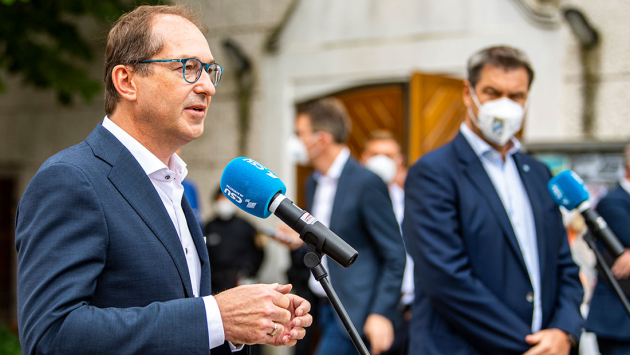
612	107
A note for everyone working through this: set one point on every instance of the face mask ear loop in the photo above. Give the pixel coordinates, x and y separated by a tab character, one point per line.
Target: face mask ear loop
475	100
470	111
318	133
526	106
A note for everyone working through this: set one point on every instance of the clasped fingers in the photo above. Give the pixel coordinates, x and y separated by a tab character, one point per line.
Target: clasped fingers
276	314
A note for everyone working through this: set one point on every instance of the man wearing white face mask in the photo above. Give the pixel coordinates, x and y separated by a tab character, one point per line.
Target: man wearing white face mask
354	203
382	154
493	268
235	257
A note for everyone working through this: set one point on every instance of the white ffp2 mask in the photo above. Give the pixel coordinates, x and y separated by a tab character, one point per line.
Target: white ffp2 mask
383	166
499	119
225	209
297	151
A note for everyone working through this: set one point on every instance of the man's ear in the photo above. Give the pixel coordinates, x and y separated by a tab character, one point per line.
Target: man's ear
122	77
468	101
327	137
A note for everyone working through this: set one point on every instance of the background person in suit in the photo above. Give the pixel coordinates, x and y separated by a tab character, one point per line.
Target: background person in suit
354	203
493	270
607	317
111	259
382	154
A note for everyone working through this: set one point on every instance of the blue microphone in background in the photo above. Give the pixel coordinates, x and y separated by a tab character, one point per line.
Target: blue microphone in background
258	191
569	191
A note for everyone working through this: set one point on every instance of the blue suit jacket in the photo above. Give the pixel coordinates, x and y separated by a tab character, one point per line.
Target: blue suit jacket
101	269
606	315
362	215
472	285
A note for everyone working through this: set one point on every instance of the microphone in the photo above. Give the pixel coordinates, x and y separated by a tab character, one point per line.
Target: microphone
569	191
258	191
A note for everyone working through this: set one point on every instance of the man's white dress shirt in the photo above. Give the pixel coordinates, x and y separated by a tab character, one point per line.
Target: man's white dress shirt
625	184
397	194
167	181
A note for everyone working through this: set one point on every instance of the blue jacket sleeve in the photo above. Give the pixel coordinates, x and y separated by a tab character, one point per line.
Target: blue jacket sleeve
616	212
431	230
62	244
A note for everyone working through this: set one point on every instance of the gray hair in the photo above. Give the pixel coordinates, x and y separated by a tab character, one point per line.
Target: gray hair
504	57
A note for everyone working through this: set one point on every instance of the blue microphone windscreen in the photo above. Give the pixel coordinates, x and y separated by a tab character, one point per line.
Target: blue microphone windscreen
568	189
250	186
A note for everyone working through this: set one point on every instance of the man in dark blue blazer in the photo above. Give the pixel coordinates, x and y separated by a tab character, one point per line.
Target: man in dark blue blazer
493	270
354	203
111	259
607	317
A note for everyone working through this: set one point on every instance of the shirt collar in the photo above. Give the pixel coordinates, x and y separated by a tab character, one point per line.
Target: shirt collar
481	147
625	184
334	172
147	160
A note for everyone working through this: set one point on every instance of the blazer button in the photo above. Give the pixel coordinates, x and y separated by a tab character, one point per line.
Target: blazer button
529	297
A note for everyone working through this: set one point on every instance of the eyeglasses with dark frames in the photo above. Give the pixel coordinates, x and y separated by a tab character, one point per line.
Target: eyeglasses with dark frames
192	68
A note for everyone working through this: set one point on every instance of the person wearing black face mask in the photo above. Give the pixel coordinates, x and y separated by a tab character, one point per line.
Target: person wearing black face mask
234	255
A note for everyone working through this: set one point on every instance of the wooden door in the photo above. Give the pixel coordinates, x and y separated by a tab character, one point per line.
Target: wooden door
423	115
436	110
378	107
370	108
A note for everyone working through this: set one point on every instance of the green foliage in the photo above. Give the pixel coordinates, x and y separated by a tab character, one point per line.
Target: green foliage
9	344
41	42
9	2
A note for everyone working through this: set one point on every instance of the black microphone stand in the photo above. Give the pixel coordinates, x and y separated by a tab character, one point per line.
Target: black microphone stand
312	260
590	240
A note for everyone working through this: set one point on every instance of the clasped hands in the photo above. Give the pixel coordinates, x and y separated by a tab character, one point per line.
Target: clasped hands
548	342
263	314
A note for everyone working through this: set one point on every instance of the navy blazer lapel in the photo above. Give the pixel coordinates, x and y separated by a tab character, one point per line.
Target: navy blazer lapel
534	194
344	180
136	187
476	173
196	233
311	186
